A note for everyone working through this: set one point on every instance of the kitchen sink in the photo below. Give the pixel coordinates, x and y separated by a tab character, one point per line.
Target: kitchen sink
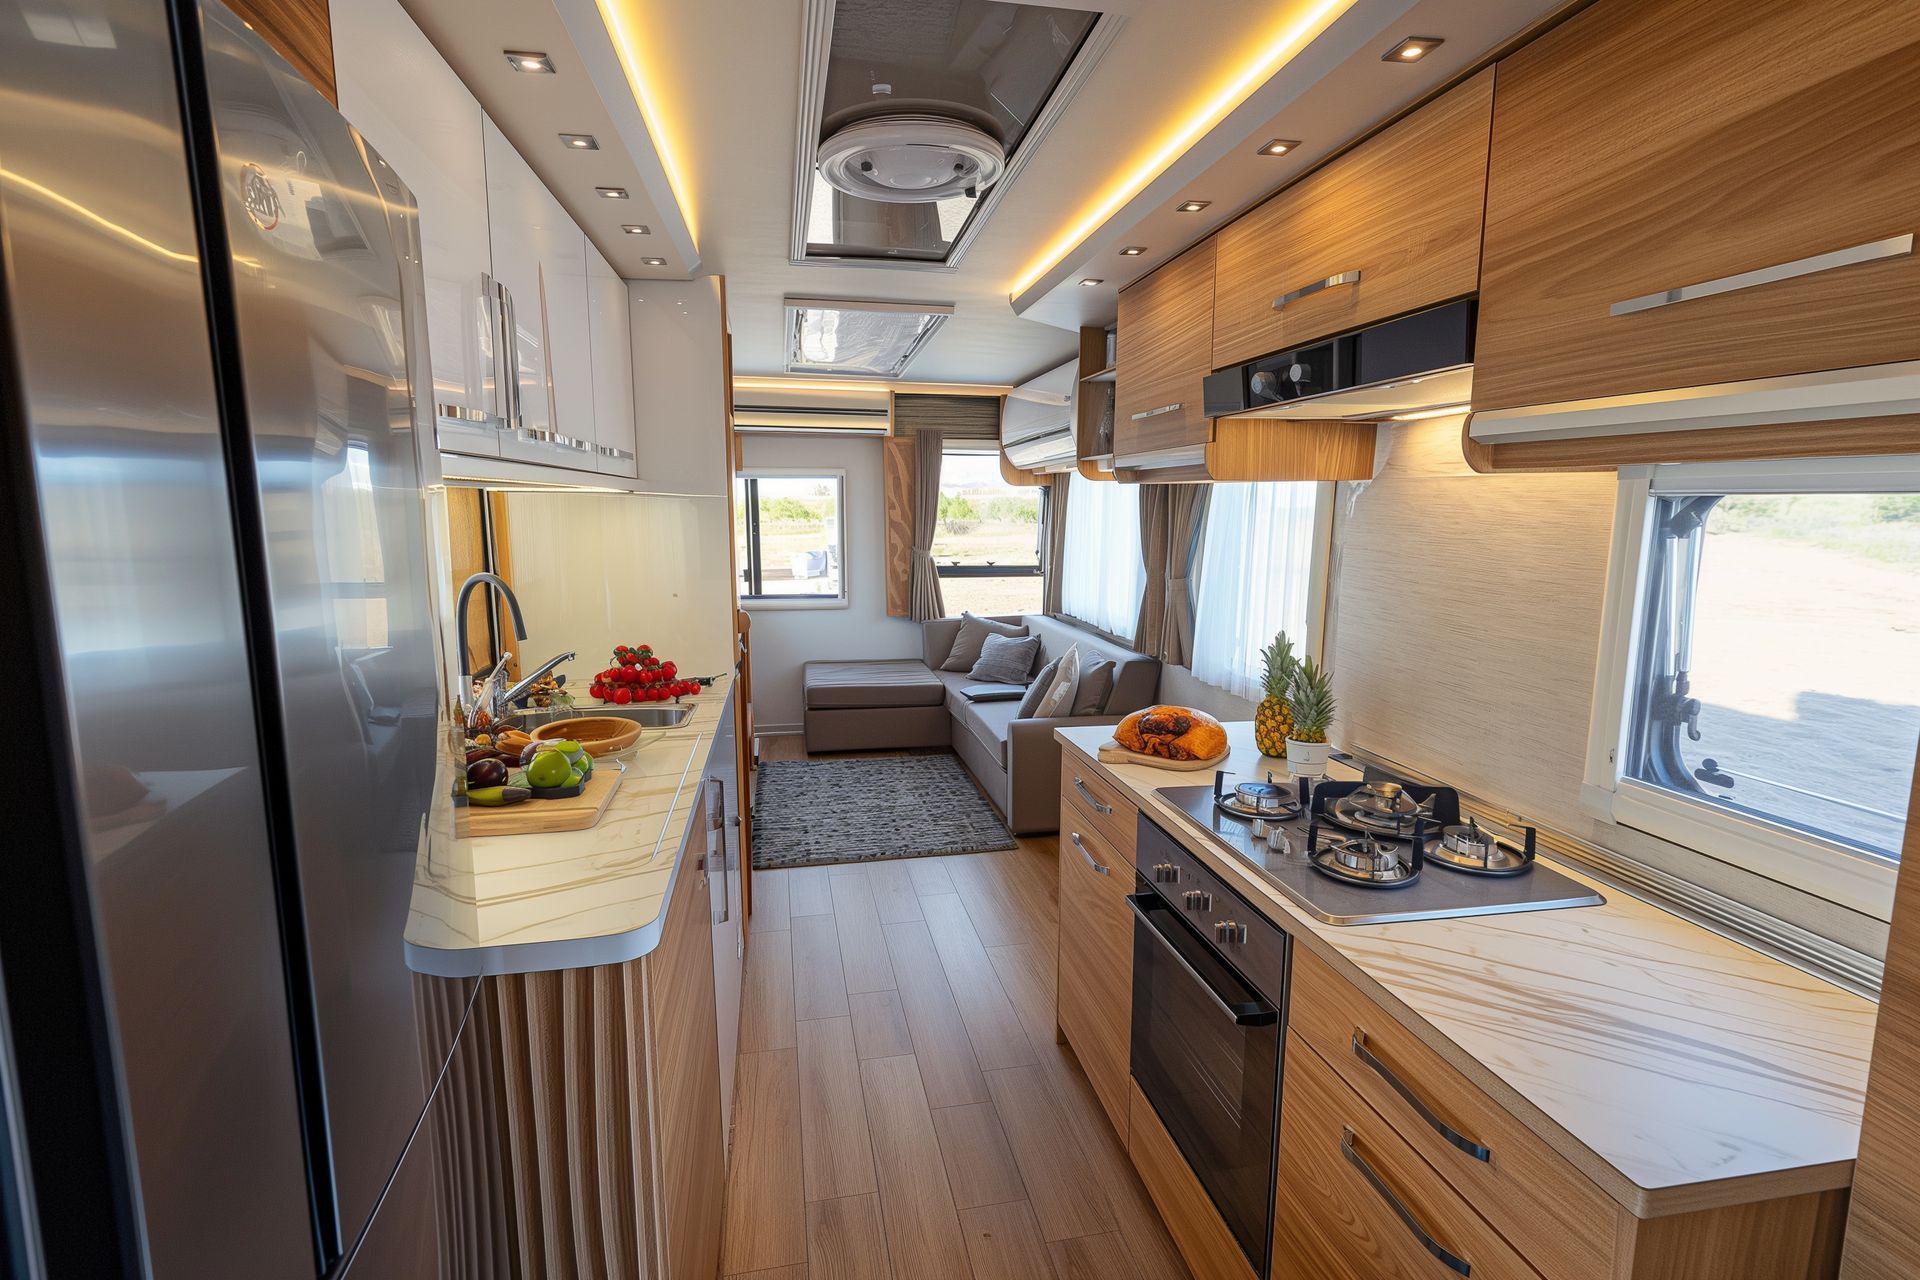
664	715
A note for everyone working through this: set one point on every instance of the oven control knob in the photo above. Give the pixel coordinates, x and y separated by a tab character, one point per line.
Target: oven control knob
1229	932
1198	900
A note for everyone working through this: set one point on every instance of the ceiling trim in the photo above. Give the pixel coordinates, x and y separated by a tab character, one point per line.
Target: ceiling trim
816	48
601	43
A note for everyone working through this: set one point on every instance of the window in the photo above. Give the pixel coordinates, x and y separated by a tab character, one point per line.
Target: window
789	529
1759	690
1261	551
986	541
1102	576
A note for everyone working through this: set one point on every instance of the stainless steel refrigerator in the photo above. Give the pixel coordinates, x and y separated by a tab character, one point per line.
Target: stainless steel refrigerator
223	682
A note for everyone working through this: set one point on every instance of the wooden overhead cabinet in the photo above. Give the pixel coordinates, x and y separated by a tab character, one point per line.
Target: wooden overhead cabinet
1688	197
1391	227
1161	358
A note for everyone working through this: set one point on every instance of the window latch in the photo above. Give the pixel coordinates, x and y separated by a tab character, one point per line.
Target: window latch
1690	716
1712	774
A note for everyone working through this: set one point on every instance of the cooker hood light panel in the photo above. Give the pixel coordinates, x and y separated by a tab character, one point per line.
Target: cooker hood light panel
870	339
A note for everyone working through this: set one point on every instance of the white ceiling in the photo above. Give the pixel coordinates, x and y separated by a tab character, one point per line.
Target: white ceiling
723	79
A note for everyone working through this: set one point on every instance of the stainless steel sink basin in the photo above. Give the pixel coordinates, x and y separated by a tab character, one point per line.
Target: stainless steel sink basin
658	715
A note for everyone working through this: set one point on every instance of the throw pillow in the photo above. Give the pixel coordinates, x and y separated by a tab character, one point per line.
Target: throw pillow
1005	660
972	639
1096	686
1059	696
1037	690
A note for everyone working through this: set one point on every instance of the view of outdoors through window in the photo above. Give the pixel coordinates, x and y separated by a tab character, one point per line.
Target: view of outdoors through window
986	543
787	529
1799	633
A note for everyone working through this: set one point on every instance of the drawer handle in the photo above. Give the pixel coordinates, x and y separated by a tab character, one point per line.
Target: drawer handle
1879	250
1090	798
1412	1099
1154	413
1080	844
1318	286
1405	1214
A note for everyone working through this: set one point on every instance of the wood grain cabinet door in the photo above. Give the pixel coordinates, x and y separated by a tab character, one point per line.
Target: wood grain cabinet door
1096	958
1161	356
1395	222
683	1056
1649	145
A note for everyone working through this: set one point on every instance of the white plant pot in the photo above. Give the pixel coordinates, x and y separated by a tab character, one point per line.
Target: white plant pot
1308	759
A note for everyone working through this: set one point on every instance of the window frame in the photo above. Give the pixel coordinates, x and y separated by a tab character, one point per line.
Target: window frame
748	571
1843	874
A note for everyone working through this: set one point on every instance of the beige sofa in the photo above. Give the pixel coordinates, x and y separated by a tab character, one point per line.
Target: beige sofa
898	703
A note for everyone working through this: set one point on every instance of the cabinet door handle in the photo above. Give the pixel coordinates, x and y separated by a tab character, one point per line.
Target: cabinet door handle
1400	1210
1878	251
607	450
1081	845
1154	413
1090	798
1308	290
1413	1100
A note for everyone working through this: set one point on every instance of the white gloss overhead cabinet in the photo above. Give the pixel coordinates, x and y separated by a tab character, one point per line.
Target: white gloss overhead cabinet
612	340
398	91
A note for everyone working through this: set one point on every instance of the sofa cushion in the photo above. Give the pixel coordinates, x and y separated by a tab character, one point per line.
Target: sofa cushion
968	645
900	683
1038	689
1005	660
1096	685
988	722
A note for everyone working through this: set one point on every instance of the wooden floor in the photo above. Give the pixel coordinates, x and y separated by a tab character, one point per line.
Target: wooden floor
902	1109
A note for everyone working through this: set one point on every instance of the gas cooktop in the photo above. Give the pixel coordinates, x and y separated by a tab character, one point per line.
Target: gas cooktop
1435	890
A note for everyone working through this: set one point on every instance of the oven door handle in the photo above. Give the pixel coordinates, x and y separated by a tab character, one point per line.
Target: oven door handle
1247	1013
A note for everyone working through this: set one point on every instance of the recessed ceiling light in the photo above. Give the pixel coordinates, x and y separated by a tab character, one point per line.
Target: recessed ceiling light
1412	49
1090	283
611	193
1192	206
653	262
580	141
1278	146
538	64
1133	251
636	229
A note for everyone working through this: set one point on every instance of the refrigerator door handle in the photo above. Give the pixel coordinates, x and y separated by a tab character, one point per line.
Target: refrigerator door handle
717	843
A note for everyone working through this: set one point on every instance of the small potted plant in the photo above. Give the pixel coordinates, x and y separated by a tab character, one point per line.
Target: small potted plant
1310	695
1273	719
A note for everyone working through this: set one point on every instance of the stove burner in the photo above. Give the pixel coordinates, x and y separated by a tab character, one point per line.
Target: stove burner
1268	799
1367	861
1477	851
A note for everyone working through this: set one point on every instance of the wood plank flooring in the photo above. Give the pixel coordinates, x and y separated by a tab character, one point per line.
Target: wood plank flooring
904	1110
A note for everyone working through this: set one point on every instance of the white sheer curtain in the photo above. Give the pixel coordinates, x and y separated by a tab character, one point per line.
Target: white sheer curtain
1103	573
1256	563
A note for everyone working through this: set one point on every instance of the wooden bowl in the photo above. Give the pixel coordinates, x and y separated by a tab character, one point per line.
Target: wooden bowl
600	735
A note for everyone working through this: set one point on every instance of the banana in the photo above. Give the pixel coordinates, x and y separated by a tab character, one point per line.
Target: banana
497	797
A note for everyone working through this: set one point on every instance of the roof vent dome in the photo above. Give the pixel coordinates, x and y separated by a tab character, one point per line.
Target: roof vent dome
911	159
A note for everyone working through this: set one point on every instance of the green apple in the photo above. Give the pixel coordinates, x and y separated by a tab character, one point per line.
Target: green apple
549	769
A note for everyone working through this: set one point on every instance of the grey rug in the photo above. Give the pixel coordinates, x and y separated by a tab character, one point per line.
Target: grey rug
814	812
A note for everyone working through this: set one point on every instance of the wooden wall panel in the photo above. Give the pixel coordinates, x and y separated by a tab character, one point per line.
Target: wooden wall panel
1883	1227
301	31
1852	437
896	462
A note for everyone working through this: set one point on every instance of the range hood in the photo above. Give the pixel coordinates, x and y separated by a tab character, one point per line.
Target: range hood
1036	430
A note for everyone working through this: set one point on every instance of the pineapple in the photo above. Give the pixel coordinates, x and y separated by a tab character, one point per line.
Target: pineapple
1311	694
1273	721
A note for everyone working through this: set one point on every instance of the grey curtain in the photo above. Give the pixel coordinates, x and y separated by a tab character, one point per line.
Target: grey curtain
1056	543
925	602
1168	516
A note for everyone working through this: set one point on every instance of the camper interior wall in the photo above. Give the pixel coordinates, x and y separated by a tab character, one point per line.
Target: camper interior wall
1463	628
784	639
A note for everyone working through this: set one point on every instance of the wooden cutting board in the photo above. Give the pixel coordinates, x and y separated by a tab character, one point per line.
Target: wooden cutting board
1112	752
543	817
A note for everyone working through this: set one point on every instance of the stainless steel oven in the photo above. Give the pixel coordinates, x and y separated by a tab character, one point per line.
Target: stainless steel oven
1209	1016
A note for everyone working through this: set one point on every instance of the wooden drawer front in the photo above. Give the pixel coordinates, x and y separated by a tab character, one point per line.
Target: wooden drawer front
1094	799
1645	146
1208	1247
1096	963
1162	354
1562	1222
1356	1202
1402	209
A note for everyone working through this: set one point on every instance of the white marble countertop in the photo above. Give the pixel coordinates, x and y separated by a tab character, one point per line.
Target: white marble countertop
1676	1068
569	899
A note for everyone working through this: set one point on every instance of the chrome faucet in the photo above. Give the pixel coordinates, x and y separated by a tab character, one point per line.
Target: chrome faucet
506	699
